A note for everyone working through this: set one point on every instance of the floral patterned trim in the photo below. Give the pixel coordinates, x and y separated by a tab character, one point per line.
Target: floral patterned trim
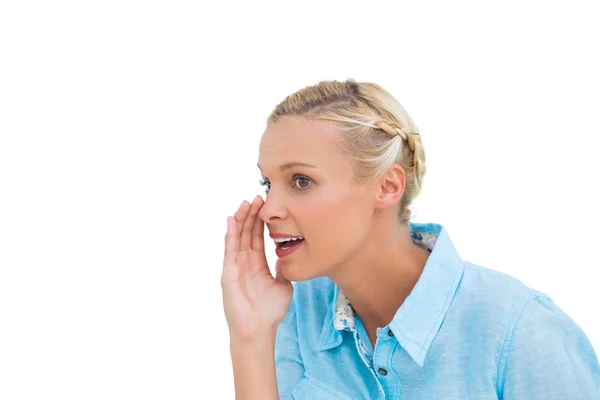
344	314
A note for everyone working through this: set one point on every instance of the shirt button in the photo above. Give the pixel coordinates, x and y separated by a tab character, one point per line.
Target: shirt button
390	333
382	371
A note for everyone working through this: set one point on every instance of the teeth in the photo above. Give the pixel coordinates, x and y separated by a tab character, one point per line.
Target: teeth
287	239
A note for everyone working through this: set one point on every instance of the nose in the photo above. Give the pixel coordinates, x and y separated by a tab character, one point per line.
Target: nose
272	210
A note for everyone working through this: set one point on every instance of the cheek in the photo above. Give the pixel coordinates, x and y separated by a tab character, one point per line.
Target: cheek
336	223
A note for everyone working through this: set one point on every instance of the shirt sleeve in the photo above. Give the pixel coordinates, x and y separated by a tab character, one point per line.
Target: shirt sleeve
288	361
547	356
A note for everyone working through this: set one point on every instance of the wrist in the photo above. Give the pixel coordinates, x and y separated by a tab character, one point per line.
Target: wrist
253	360
258	341
258	333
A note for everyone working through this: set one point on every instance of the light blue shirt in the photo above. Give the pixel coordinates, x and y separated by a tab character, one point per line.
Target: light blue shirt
464	332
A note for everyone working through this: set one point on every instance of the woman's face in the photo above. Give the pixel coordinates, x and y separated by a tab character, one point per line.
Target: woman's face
311	193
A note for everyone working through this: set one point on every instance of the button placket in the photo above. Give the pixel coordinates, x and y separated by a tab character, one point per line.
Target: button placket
383	347
383	365
382	362
367	359
382	371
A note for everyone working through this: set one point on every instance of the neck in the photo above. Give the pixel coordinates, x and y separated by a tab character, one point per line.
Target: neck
381	275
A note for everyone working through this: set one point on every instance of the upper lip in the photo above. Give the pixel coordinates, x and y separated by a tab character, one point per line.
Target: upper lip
282	235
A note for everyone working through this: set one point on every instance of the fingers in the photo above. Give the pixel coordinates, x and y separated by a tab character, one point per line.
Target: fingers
240	231
231	239
249	222
240	216
258	230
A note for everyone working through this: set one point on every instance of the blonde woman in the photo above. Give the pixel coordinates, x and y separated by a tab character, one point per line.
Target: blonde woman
381	307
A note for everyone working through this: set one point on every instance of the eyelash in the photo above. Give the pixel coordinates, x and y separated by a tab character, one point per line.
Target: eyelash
265	182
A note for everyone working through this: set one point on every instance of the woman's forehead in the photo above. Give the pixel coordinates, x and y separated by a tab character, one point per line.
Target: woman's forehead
300	141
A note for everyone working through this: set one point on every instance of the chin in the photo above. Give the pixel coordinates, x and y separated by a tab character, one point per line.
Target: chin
295	271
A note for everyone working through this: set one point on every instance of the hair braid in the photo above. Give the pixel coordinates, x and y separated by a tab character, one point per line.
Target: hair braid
413	140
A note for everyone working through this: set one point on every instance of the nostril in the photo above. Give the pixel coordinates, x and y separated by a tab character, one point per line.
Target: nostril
263	215
270	211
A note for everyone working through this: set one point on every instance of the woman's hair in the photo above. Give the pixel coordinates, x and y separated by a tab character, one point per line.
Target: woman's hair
376	131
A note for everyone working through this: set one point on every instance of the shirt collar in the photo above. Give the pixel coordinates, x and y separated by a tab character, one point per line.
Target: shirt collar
420	317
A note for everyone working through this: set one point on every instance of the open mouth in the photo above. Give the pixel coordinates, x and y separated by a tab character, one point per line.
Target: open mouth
286	245
289	243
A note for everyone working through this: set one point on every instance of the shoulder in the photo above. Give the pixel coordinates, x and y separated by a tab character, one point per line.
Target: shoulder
535	337
540	326
506	296
487	294
545	348
487	278
495	304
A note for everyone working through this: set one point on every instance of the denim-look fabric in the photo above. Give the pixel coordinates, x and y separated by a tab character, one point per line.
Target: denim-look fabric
465	332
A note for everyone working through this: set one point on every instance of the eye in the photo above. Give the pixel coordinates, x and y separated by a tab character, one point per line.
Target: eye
265	183
301	182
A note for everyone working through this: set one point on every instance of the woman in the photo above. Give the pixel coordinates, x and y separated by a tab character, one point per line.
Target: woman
382	308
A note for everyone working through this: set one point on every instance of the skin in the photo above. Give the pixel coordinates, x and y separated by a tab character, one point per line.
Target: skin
351	236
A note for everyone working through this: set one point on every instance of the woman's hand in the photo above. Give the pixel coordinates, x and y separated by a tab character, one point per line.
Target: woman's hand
255	302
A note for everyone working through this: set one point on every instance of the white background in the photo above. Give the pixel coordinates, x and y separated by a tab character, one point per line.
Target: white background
129	131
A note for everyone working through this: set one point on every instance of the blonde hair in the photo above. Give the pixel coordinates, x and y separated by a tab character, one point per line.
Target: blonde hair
367	116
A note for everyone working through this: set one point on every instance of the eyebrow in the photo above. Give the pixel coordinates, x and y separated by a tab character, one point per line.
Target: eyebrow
290	165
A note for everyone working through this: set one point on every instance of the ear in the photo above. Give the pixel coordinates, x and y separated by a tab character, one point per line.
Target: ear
390	188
